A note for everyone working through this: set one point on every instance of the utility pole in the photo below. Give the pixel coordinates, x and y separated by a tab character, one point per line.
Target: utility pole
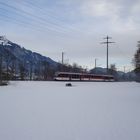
124	69
95	62
62	58
62	67
107	43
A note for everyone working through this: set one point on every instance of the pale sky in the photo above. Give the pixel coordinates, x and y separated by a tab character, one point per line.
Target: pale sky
75	27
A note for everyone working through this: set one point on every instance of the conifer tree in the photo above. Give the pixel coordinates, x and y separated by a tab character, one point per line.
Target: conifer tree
137	62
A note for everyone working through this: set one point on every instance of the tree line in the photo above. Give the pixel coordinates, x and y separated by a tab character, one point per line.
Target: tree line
136	62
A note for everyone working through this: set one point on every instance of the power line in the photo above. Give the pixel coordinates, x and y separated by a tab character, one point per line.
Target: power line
51	15
53	21
44	20
36	18
25	23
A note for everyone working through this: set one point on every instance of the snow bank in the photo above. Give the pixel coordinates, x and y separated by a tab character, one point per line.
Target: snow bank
85	111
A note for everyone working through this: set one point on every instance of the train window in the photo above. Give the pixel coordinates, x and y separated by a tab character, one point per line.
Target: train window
75	76
106	77
63	75
60	75
66	75
85	76
97	77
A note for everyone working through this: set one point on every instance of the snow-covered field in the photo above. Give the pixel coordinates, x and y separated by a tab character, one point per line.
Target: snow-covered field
85	111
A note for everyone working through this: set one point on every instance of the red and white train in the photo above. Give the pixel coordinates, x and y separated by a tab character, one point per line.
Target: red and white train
68	76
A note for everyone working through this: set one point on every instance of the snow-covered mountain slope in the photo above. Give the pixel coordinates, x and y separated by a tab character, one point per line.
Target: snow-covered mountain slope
22	54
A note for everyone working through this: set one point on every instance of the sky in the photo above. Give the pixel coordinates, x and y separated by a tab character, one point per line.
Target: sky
75	27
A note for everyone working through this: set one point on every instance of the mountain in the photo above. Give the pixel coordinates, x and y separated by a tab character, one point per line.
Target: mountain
22	53
22	61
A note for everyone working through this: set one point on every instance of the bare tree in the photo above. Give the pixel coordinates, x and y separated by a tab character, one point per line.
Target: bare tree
31	70
13	68
22	70
112	69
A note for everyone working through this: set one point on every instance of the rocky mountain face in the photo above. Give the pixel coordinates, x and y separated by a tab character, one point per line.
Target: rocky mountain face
22	62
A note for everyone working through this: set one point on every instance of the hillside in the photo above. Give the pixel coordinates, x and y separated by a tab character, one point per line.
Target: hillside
24	63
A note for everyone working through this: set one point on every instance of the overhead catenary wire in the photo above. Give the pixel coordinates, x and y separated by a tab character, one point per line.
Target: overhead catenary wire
40	25
50	20
36	18
53	17
35	26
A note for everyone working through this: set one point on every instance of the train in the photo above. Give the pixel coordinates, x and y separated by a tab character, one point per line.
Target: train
70	76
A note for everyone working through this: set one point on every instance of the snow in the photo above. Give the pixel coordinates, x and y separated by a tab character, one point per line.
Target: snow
85	111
